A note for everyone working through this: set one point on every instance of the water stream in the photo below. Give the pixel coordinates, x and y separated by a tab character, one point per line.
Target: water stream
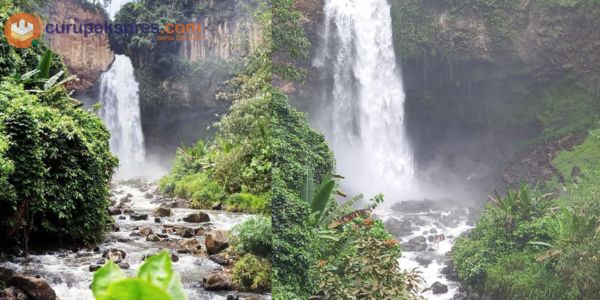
67	271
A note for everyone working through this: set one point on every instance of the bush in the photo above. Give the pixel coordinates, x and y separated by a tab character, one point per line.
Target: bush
58	165
253	236
252	273
248	202
199	188
363	264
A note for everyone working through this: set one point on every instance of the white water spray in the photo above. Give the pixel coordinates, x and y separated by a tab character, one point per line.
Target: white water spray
367	121
121	113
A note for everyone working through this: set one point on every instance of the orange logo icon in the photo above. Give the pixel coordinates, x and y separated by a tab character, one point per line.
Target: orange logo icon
21	29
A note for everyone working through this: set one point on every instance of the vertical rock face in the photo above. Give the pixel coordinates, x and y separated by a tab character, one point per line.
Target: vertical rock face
223	39
229	31
86	57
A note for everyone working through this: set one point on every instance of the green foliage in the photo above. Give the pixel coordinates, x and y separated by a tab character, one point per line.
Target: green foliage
365	266
540	252
61	166
253	236
248	202
585	156
289	41
155	280
252	273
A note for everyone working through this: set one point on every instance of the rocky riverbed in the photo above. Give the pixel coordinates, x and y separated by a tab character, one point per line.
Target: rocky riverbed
144	225
426	230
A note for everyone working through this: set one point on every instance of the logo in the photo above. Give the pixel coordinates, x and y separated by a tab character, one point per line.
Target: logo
22	29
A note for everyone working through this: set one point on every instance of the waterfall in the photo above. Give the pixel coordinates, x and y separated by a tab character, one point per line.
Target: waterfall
366	117
121	113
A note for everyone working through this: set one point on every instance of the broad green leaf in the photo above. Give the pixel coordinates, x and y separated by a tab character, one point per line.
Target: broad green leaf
134	289
308	187
157	270
106	275
44	65
323	195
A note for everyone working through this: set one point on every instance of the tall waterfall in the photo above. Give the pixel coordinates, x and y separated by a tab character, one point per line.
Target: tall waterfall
121	113
367	97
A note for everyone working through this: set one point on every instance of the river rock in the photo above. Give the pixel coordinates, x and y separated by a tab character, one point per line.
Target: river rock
122	217
415	244
34	287
439	288
400	228
221	259
198	217
186	232
124	265
138	217
217	206
146	231
113	254
114	211
217	281
423	260
153	238
148	196
94	268
199	231
157	220
12	293
162	212
191	245
174	257
100	261
216	241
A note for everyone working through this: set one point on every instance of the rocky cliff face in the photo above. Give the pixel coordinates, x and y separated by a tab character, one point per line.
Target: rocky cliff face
225	39
86	57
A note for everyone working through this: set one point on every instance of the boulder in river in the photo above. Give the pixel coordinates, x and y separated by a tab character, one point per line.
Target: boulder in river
217	206
218	281
114	211
400	228
198	217
221	259
415	244
439	288
94	268
34	287
138	217
146	231
153	238
148	196
162	212
216	241
113	254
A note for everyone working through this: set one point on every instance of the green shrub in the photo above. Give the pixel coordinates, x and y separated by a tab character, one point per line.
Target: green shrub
248	203
155	281
61	166
200	189
254	236
363	265
252	273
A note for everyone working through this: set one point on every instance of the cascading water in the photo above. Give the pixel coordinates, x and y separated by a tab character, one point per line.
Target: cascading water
121	113
367	122
121	109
